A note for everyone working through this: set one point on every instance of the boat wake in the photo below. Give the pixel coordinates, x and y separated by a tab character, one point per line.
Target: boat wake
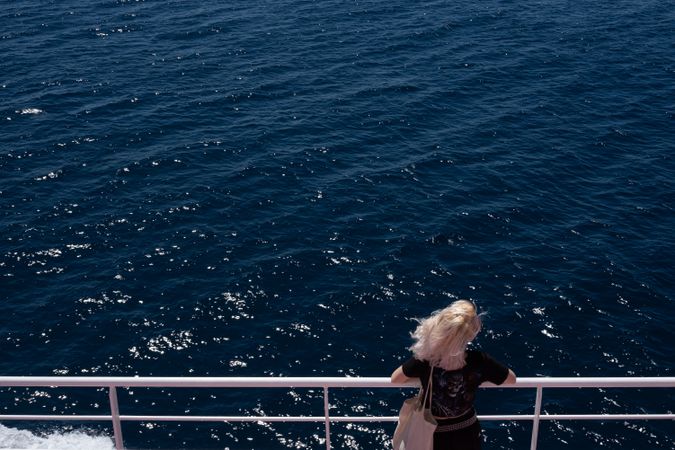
13	438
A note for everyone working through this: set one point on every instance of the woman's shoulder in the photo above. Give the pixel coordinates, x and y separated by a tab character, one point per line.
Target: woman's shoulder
414	367
490	369
480	358
474	357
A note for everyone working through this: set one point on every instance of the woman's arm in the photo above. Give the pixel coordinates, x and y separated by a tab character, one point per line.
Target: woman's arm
398	376
510	379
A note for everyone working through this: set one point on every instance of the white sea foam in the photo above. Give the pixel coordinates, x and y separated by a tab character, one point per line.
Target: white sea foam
30	111
13	438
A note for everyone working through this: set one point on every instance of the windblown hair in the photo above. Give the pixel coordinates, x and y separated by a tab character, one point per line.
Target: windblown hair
441	338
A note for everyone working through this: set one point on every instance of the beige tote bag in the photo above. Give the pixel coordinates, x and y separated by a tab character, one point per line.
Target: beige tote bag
416	425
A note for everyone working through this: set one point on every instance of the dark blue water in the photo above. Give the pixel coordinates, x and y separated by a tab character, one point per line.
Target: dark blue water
258	188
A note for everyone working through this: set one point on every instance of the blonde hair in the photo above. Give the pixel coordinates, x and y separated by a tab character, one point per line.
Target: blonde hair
441	338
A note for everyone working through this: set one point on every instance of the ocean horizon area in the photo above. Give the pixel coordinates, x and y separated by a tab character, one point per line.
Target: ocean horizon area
281	188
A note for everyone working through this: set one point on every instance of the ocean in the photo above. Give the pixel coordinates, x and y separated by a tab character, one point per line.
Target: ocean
279	188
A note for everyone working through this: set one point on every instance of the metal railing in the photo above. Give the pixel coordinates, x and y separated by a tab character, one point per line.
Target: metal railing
325	383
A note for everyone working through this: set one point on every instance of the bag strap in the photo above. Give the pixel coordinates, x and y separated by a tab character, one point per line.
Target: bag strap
428	394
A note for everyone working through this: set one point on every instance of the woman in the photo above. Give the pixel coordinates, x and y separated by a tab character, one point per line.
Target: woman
440	345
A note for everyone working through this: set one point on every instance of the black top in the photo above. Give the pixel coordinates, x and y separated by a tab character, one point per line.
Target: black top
453	391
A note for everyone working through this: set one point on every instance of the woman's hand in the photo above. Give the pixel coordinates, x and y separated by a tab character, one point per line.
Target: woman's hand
511	379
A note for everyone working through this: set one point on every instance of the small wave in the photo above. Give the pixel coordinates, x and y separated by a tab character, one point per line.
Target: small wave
30	111
74	440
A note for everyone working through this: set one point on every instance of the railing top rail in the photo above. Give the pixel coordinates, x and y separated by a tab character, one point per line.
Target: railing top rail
316	382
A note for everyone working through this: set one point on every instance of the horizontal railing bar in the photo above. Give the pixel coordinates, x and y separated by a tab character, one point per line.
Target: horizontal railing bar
607	417
259	419
592	382
506	417
581	417
202	382
394	418
319	382
54	417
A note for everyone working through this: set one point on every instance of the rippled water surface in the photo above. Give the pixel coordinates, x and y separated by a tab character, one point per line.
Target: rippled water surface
254	188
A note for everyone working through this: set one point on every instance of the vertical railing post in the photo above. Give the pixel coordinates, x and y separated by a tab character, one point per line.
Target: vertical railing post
326	407
535	420
115	413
